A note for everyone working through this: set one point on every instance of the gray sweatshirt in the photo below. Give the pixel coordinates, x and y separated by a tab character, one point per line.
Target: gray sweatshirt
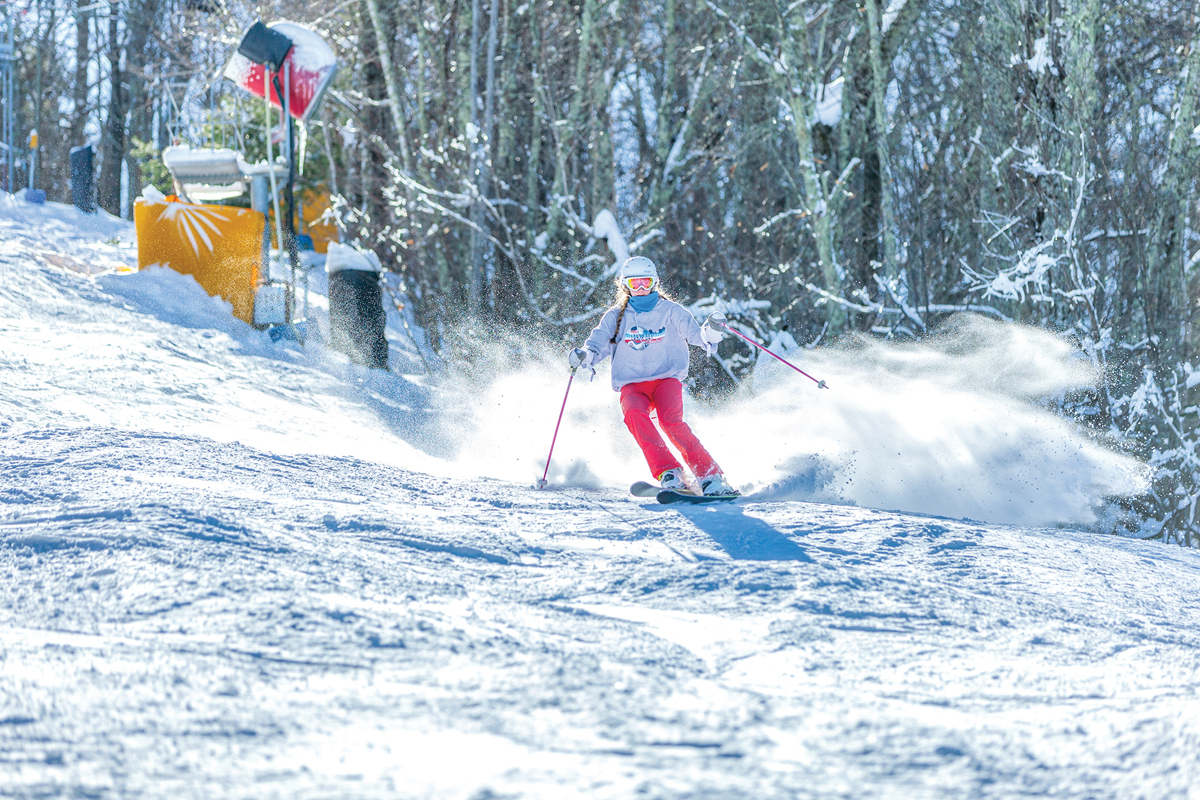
652	345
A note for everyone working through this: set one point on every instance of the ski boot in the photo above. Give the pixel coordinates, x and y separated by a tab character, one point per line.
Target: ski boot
715	485
672	480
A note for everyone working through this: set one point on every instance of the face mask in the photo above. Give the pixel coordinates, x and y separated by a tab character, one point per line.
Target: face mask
643	304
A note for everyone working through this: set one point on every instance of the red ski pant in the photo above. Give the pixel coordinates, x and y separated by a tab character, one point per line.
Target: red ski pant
665	396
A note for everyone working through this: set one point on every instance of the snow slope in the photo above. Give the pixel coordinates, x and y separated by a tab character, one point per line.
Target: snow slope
237	568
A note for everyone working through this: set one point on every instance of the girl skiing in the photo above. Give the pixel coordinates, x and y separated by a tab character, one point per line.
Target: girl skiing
647	336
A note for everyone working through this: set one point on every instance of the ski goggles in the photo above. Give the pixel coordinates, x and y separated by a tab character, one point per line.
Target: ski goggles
634	284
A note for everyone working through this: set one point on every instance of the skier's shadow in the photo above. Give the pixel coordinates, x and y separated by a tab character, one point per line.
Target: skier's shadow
744	537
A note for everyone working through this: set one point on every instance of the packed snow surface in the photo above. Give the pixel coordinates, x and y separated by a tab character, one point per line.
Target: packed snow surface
232	567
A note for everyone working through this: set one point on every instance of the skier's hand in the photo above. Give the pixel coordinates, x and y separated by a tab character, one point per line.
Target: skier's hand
580	357
711	335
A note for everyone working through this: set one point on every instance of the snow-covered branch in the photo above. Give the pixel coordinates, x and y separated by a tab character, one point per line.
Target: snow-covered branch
646	238
880	308
791	212
673	159
745	37
1029	276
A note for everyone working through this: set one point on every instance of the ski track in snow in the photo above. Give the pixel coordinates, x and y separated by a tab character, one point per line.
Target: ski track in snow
202	596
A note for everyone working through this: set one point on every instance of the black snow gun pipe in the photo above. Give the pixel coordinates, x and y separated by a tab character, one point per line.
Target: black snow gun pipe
719	318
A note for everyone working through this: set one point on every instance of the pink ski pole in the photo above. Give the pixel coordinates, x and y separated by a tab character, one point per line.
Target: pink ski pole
542	483
719	318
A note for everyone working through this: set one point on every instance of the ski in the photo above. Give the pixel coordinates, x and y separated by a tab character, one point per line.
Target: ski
643	489
666	497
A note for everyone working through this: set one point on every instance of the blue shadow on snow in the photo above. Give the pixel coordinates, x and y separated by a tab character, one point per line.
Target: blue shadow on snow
741	536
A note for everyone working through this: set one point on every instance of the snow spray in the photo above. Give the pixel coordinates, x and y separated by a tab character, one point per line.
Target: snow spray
954	426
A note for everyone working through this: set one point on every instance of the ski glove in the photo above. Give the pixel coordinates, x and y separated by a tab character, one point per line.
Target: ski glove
580	357
711	335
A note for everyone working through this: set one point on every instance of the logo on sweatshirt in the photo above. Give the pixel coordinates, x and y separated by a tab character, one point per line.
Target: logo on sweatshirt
640	339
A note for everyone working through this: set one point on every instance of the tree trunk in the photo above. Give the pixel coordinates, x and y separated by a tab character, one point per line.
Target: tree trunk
1166	286
482	275
113	144
859	125
125	81
603	181
797	87
384	42
474	142
375	117
665	111
533	167
424	66
79	87
879	91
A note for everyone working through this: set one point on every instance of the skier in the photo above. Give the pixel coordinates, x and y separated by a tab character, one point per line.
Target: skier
647	335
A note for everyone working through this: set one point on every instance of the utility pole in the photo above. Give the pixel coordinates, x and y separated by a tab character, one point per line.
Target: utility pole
6	88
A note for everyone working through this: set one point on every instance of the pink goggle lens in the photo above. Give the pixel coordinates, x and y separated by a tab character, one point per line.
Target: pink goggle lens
639	283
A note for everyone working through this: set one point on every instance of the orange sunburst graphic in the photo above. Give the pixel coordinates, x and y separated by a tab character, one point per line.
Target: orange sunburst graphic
196	223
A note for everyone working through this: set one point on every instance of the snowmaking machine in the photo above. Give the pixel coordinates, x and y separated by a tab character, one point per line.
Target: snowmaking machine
227	248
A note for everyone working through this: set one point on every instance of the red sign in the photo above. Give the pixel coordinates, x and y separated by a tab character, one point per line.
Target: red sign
307	71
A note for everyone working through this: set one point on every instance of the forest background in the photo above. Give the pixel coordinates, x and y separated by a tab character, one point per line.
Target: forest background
821	171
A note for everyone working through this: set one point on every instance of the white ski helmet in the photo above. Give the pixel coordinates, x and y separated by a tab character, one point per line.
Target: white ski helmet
638	267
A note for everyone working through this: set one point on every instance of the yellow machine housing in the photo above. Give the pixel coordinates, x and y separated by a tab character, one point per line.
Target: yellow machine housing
220	246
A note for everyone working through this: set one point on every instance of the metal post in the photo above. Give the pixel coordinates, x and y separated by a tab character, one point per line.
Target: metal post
83	181
289	225
6	78
212	118
33	154
260	201
271	163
